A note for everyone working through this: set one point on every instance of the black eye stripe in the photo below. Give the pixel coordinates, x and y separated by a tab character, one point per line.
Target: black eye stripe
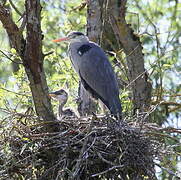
60	92
75	34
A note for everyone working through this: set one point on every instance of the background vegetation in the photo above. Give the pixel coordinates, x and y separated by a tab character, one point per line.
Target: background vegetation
156	23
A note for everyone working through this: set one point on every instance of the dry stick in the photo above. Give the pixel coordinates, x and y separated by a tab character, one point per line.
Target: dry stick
105	160
174	109
79	161
161	135
167	129
110	169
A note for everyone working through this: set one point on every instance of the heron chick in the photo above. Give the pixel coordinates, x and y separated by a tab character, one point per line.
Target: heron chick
62	96
94	69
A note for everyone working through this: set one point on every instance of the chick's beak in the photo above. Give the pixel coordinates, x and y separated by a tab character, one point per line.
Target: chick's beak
61	39
51	95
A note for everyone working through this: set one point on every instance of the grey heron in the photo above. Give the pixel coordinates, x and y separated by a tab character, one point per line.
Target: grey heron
62	96
94	69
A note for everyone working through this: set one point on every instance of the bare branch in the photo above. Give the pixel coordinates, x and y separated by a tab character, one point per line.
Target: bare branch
10	58
20	94
15	8
48	53
168	103
106	171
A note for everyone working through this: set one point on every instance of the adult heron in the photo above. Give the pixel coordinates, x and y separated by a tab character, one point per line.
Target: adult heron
94	69
62	96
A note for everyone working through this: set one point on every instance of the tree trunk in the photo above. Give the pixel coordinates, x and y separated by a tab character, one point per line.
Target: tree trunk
31	54
33	61
138	80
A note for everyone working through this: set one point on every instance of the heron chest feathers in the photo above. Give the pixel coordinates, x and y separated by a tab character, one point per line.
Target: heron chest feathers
83	49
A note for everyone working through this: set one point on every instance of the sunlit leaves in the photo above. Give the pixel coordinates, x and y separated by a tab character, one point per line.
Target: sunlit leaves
159	31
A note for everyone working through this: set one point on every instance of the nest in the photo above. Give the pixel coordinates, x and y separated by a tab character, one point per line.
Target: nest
100	148
84	148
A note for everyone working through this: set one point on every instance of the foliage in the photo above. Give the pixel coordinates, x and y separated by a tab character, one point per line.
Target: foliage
158	25
155	22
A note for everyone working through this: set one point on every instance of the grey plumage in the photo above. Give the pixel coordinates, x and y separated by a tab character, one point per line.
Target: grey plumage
95	70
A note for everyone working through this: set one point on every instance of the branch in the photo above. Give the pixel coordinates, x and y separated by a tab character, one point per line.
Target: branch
15	8
169	103
20	94
167	170
106	171
48	53
174	109
10	58
15	36
80	7
153	128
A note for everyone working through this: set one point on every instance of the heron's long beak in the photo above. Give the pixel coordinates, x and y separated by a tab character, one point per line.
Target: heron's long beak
61	39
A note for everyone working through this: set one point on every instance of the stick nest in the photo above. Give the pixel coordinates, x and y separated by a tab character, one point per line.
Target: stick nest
84	148
104	148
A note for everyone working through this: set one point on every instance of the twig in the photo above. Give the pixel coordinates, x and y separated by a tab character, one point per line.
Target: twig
14	92
10	58
105	160
15	8
110	169
79	161
48	53
157	134
167	129
166	103
80	7
168	170
23	24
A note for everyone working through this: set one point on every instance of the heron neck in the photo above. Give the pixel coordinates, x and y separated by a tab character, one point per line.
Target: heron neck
61	105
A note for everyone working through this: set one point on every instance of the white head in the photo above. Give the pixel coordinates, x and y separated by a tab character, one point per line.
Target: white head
73	37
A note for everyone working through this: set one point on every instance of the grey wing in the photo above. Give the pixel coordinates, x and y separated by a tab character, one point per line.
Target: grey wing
98	76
